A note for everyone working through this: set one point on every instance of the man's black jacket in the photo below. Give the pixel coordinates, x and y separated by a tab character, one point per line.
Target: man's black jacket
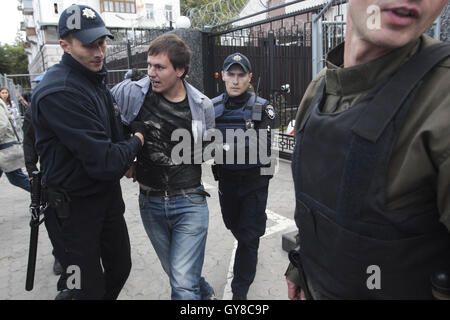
79	135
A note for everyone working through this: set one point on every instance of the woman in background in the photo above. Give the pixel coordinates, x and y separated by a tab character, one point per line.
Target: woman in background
8	139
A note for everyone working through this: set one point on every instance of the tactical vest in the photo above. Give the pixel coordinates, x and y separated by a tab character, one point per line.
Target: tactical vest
246	117
340	166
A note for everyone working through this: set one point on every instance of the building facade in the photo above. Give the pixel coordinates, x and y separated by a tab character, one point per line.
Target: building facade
124	18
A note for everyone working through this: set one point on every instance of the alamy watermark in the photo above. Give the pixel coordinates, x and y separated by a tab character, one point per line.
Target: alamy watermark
374	280
373	21
242	147
74	279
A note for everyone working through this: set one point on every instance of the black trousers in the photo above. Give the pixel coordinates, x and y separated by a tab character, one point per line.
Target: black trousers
243	202
94	241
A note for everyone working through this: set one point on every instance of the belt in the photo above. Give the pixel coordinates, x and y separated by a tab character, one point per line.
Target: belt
168	193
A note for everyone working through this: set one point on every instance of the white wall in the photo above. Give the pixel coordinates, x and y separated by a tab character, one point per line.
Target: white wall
45	12
252	6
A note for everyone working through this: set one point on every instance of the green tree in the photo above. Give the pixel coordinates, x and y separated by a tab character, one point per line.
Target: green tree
13	58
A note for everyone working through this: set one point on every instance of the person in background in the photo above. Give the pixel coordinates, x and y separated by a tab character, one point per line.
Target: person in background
11	161
12	108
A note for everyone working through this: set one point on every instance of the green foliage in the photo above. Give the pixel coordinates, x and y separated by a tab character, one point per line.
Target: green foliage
13	59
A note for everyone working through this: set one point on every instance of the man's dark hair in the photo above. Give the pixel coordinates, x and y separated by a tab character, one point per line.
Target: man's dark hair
176	49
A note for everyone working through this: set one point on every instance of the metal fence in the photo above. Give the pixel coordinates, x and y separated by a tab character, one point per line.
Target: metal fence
17	85
129	48
113	77
279	49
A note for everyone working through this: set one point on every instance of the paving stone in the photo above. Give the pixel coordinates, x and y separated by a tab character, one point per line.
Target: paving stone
147	279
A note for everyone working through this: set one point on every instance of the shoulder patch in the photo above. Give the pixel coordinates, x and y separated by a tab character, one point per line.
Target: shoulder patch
270	111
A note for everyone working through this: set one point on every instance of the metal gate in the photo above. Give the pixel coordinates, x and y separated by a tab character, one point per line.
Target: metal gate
279	49
328	30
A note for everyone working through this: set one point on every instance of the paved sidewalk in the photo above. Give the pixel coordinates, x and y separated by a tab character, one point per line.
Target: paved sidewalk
147	279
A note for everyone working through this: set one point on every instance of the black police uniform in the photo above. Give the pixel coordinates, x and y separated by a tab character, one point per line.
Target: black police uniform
80	143
243	190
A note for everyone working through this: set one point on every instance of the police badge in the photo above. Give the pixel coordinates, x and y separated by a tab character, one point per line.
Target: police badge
88	13
237	58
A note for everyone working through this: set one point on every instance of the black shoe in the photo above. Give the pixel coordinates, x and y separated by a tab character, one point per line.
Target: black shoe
65	294
239	297
57	267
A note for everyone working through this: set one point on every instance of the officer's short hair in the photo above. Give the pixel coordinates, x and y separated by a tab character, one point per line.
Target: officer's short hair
67	37
176	49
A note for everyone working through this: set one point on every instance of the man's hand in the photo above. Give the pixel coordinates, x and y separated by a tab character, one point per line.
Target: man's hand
131	173
294	291
137	126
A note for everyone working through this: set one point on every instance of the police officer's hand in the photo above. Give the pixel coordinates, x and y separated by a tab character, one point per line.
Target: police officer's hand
138	128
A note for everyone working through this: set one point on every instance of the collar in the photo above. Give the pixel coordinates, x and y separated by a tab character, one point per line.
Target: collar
191	91
96	77
346	81
238	101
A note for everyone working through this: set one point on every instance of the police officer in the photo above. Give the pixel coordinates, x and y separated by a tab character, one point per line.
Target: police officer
80	143
371	165
243	185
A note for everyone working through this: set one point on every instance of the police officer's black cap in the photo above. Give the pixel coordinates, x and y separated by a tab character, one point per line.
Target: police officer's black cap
239	59
83	23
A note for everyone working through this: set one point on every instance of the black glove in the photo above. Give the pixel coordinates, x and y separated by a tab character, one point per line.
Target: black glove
137	126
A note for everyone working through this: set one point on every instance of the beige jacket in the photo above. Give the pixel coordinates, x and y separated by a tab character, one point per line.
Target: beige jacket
10	158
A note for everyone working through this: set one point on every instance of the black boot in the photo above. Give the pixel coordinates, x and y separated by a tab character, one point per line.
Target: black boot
239	297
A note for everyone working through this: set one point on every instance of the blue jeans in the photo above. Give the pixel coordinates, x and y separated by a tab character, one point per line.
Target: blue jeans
177	227
18	179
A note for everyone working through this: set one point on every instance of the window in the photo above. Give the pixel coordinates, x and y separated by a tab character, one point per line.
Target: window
149	9
124	6
51	34
168	10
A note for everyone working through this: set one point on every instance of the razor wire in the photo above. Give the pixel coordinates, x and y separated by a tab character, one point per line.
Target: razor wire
215	12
